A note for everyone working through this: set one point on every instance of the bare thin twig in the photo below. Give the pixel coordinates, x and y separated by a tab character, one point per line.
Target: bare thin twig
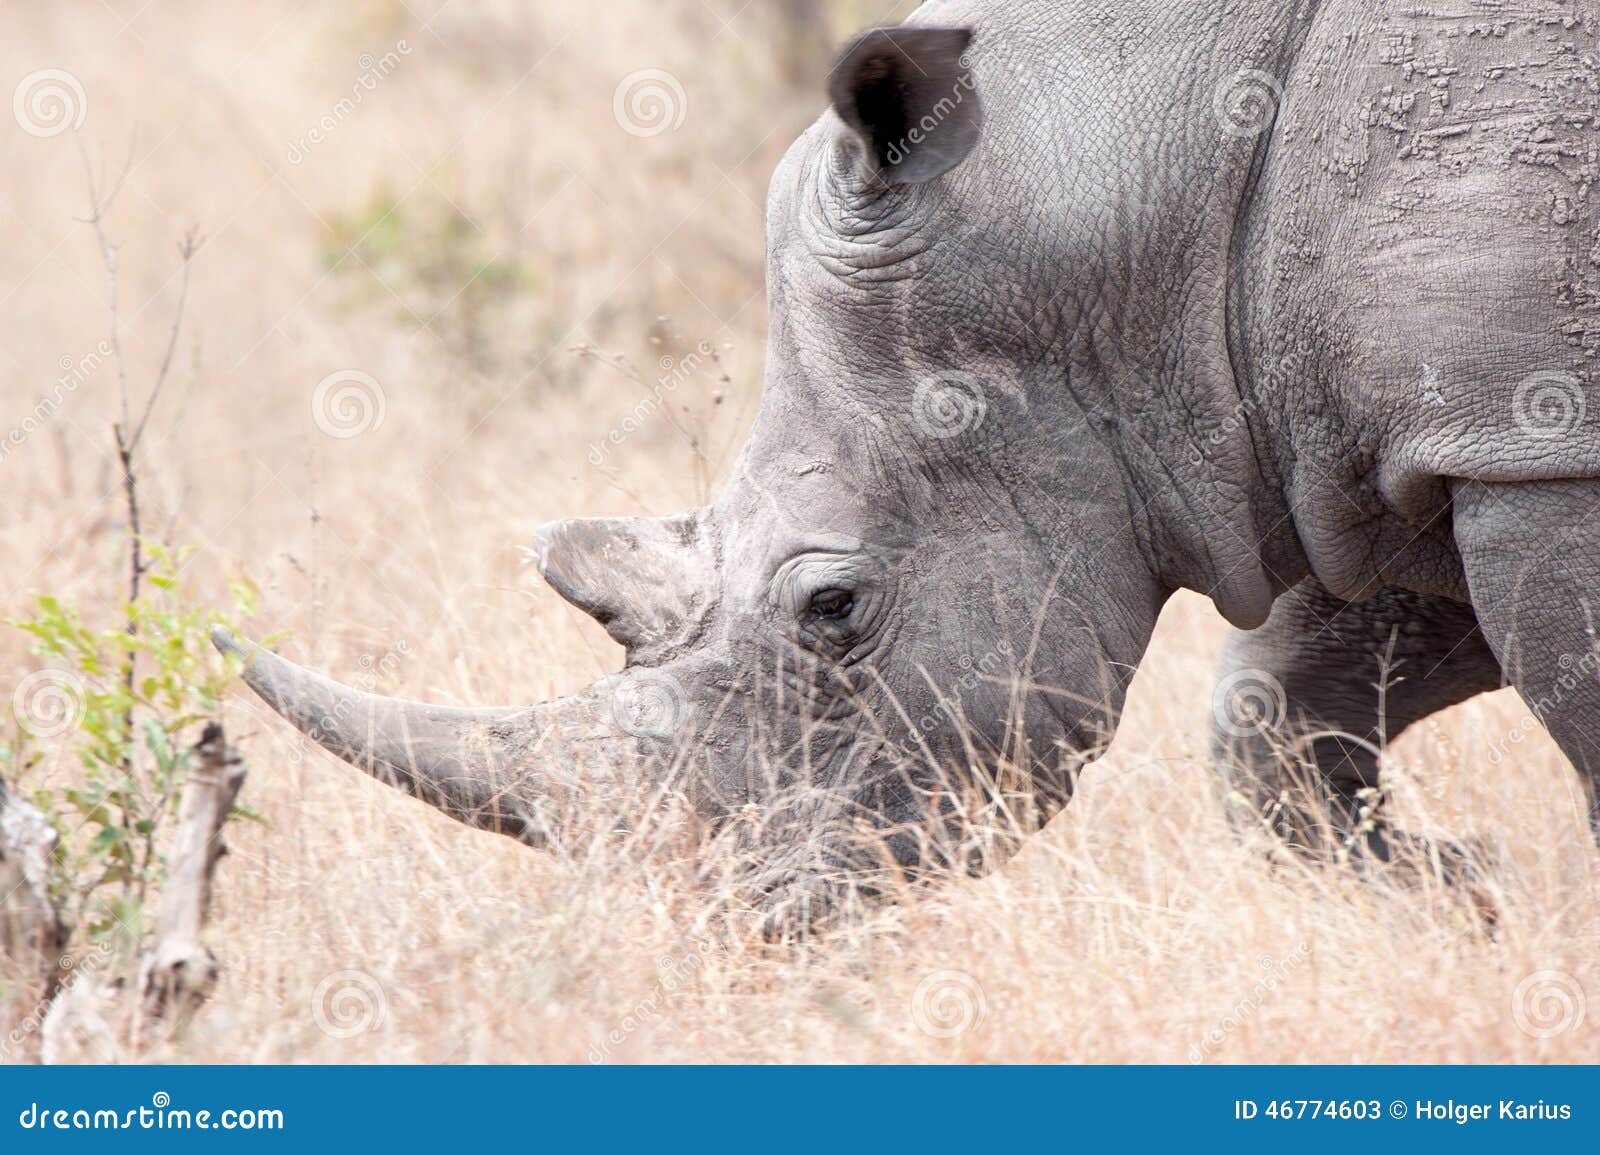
128	435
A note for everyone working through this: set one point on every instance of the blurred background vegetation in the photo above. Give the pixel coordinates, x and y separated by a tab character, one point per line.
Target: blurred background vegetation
442	196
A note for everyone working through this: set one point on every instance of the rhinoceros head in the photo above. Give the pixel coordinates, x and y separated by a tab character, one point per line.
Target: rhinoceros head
910	614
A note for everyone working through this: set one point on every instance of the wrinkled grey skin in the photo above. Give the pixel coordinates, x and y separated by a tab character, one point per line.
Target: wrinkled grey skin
1090	339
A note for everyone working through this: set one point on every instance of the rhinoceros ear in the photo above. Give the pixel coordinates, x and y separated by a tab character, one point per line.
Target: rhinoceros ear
908	96
645	579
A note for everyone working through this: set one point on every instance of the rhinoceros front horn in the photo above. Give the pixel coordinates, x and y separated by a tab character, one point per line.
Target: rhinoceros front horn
514	770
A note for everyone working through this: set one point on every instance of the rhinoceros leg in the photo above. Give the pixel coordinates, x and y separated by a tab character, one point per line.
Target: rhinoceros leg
1531	551
1299	720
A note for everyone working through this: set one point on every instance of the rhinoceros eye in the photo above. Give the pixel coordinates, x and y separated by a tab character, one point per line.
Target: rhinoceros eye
832	604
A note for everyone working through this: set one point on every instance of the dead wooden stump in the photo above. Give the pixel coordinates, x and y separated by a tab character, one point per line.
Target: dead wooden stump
93	1019
179	970
31	933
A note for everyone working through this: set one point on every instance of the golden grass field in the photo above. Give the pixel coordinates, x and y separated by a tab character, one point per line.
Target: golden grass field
480	236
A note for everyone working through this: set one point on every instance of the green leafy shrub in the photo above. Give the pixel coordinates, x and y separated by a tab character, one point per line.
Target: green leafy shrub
434	264
122	698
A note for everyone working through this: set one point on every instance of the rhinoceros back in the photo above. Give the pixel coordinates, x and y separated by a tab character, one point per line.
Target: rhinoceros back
1422	290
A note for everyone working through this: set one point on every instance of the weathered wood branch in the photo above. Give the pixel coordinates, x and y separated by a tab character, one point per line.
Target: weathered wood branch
31	933
179	970
97	1018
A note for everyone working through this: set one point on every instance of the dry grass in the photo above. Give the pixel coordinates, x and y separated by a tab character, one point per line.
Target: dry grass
1126	932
